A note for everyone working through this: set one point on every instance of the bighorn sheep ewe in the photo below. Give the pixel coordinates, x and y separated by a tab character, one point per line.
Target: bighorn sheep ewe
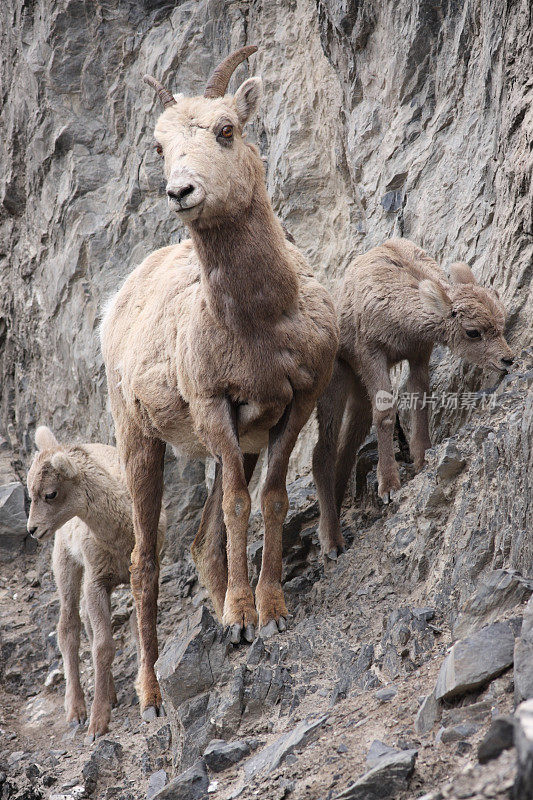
395	303
220	344
78	492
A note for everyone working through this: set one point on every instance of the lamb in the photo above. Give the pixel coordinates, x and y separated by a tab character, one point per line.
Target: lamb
78	492
218	345
395	303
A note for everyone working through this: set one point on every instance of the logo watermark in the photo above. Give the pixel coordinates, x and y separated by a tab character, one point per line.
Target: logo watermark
408	401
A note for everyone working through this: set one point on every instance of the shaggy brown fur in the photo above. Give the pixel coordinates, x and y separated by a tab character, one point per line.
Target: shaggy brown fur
78	492
395	303
218	345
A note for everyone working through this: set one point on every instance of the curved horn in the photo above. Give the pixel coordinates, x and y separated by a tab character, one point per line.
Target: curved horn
164	95
218	82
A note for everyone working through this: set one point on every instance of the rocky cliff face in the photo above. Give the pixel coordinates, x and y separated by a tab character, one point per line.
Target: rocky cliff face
379	119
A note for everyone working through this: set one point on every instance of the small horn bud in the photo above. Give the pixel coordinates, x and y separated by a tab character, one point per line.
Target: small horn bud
164	95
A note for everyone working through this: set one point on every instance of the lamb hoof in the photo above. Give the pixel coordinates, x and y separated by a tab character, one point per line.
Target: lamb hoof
89	739
282	624
249	633
149	714
235	634
386	498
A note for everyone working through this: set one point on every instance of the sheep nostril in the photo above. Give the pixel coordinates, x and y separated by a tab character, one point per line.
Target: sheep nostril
180	194
32	531
508	362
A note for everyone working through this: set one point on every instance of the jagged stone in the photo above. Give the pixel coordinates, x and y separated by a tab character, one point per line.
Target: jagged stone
189	785
385	780
523	739
523	657
450	462
219	755
457	733
427	715
497	592
473	661
156	781
377	751
499	737
274	754
12	516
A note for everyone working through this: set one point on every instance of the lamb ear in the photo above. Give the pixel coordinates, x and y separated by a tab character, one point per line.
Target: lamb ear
62	463
44	438
435	298
461	273
247	98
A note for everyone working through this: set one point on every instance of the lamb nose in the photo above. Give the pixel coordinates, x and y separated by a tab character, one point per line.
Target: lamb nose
508	362
31	531
179	194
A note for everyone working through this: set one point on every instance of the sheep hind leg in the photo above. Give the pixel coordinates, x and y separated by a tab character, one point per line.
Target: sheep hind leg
356	425
418	387
68	577
103	652
143	458
330	411
274	505
375	371
209	549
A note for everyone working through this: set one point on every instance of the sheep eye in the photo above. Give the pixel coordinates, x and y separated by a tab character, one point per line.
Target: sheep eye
226	132
473	334
159	150
50	496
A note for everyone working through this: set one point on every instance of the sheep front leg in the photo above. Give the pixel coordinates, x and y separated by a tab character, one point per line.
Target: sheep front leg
418	385
68	578
143	458
274	505
330	410
375	372
103	652
216	422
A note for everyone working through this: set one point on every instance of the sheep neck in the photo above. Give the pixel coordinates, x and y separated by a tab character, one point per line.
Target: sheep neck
247	275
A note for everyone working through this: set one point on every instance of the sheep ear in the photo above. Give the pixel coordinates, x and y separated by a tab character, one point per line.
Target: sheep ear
461	273
62	464
247	98
44	438
435	298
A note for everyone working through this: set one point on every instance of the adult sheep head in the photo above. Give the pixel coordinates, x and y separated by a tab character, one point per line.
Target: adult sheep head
210	168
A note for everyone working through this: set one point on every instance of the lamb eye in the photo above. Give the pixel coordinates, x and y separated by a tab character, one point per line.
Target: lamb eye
159	150
50	496
472	333
227	131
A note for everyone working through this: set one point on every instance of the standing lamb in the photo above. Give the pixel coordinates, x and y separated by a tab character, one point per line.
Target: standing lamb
79	493
218	345
395	303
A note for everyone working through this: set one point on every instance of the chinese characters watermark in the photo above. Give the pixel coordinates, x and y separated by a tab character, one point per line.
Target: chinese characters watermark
408	401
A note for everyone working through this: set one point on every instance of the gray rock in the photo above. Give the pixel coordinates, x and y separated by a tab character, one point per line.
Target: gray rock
386	779
450	462
473	661
496	593
156	782
475	712
12	516
386	694
274	754
523	657
457	733
189	785
377	751
427	715
499	737
219	755
192	659
523	739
